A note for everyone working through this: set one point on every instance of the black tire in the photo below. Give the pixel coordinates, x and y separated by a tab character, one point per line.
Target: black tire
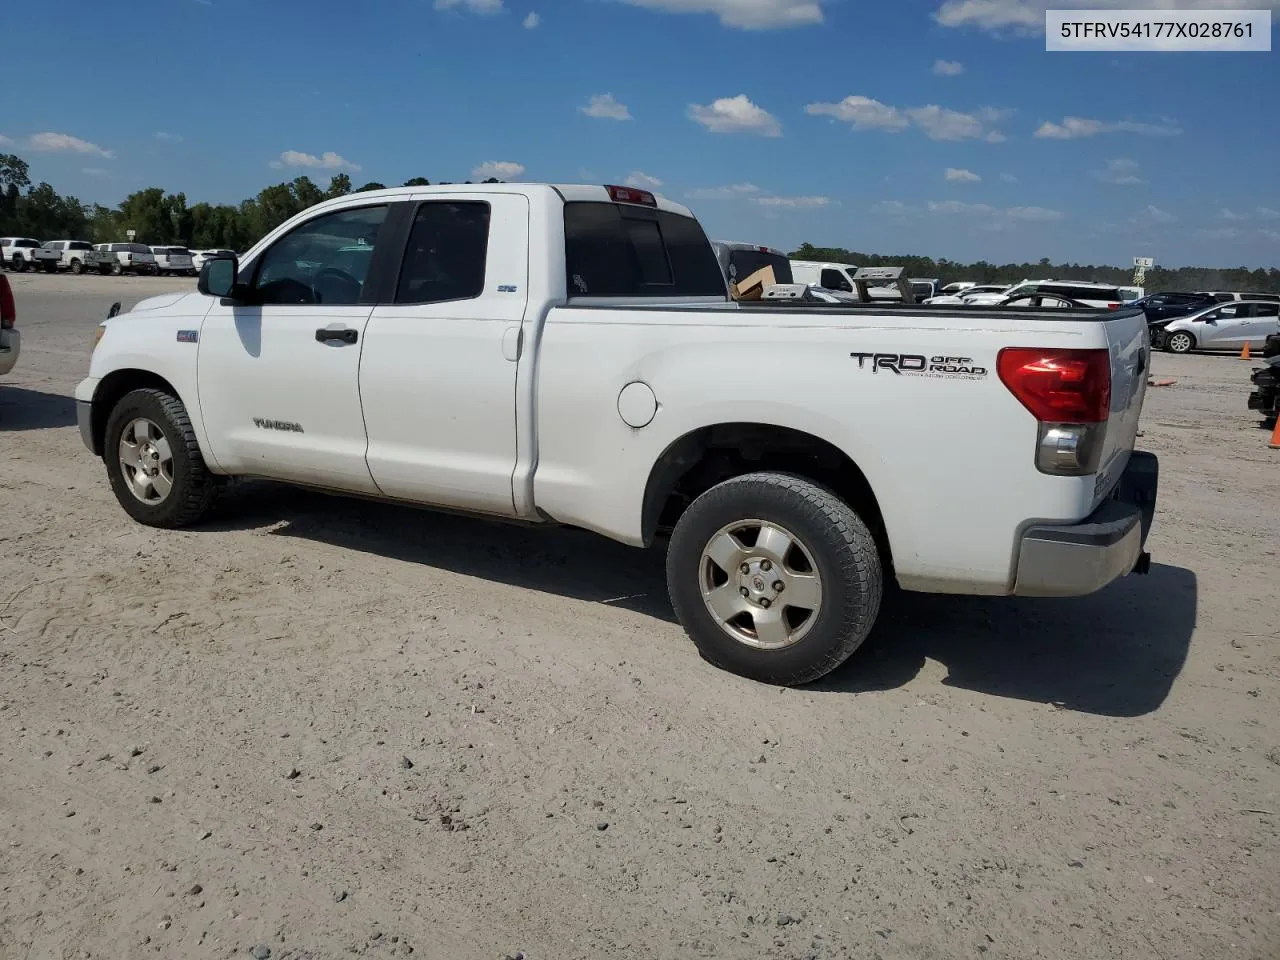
104	270
116	269
18	264
51	266
1180	341
77	267
194	487
843	552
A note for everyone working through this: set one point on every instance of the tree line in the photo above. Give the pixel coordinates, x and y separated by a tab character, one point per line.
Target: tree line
159	218
1158	278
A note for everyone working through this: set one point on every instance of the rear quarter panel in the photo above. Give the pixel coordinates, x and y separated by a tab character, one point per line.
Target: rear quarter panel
949	458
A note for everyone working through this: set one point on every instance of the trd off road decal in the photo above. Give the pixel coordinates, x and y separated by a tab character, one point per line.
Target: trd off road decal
918	365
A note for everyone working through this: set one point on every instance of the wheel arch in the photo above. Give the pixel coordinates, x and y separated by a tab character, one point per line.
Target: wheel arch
701	458
112	387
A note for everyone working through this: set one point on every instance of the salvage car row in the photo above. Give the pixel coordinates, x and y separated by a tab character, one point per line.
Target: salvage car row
80	256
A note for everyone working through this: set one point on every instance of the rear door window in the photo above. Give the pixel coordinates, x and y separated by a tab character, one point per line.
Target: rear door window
447	253
617	250
1266	310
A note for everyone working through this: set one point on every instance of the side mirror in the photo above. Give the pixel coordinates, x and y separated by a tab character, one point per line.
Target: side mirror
219	277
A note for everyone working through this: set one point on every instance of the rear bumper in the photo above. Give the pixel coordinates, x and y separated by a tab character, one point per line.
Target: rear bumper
10	347
1078	559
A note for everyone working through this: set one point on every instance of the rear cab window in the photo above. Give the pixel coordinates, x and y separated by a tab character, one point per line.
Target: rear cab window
621	250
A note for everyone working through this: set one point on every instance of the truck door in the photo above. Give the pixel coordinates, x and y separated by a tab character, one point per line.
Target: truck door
278	370
438	371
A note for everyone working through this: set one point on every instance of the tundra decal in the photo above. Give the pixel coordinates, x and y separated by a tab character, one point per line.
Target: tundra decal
918	365
285	425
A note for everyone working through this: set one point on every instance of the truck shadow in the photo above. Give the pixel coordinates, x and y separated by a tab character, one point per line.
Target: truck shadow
23	409
1115	653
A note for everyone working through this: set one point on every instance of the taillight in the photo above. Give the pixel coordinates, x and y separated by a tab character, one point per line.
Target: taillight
8	309
1069	393
631	195
1113	306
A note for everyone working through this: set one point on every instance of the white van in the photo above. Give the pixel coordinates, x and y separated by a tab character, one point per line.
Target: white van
829	276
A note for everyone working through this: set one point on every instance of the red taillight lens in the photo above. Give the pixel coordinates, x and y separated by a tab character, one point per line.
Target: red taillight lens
1113	306
631	195
1058	385
8	309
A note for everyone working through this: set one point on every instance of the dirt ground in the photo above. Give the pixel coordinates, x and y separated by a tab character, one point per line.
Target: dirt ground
320	727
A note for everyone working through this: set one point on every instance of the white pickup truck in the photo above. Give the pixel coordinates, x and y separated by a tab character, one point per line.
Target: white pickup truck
80	255
568	355
24	253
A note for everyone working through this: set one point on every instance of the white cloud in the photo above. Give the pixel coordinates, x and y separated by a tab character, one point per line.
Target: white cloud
1153	214
474	6
94	172
983	214
1041	214
1027	16
1273	235
1266	213
326	161
960	176
1121	171
733	191
736	115
168	137
5	141
1074	128
863	113
57	142
531	22
948	68
938	123
642	181
502	169
745	14
1232	215
603	106
1008	178
793	203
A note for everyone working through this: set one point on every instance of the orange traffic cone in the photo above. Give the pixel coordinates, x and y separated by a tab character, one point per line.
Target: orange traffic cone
1275	436
1244	354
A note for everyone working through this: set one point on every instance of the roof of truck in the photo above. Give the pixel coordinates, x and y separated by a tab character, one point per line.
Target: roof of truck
569	192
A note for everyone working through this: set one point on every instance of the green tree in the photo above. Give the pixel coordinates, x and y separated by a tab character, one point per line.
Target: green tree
372	185
417	182
306	193
339	186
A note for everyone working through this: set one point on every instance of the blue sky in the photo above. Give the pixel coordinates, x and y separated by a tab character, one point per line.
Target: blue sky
939	127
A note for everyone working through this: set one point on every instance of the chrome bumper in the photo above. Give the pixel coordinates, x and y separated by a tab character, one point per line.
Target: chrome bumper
1074	560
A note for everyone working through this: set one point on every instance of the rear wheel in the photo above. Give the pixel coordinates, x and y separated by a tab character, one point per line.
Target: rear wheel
19	264
76	266
117	269
154	462
774	577
1179	342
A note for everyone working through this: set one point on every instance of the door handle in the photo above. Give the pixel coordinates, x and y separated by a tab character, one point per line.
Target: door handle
342	335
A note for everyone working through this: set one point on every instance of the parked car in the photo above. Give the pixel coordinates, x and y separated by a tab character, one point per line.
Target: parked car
24	253
1222	326
1168	306
79	256
10	340
958	287
174	260
614	387
130	257
739	260
1099	295
972	292
198	257
1265	397
1223	297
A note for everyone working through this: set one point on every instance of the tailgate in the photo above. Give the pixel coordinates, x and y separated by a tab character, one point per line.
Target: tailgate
1130	349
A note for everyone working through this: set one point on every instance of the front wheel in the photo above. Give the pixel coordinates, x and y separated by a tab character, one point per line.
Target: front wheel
774	577
76	266
154	462
1179	342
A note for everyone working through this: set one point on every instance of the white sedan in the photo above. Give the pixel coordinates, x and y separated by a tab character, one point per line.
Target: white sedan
1223	326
